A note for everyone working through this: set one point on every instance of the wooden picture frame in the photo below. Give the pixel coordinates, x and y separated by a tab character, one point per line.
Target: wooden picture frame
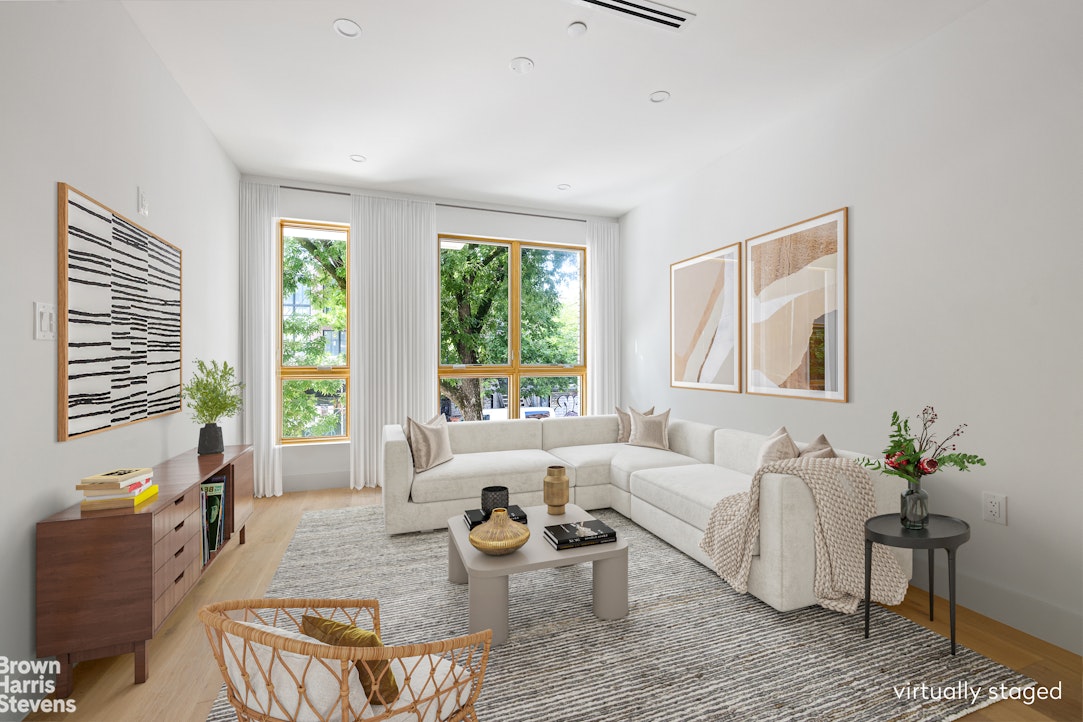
796	310
705	321
119	319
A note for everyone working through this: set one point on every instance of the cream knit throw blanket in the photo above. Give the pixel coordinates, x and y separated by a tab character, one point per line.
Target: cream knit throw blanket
843	496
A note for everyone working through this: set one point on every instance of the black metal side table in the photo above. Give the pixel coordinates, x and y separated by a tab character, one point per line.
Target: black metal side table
944	532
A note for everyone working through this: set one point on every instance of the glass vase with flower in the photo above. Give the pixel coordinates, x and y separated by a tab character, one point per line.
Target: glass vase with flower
913	457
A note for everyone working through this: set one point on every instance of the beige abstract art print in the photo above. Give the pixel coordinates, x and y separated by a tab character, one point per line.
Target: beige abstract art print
795	322
705	321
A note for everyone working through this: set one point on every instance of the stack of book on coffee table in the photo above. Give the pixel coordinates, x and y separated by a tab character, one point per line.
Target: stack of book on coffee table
579	534
473	517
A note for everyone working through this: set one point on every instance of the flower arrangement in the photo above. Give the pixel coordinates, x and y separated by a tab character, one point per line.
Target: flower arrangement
912	458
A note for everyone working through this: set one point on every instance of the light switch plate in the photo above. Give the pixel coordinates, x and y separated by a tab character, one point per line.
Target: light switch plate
44	321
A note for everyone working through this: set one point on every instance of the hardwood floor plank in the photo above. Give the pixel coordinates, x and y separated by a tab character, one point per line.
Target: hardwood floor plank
184	680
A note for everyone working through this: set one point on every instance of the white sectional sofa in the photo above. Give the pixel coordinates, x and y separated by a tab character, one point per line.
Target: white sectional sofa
669	492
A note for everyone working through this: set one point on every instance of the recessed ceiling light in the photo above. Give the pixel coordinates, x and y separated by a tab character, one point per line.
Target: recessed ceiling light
521	65
577	29
659	96
346	28
564	187
358	158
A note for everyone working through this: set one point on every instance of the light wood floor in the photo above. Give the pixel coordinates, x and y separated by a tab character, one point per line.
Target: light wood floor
184	679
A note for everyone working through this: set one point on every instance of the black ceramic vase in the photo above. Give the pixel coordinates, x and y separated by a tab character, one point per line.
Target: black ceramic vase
493	497
210	440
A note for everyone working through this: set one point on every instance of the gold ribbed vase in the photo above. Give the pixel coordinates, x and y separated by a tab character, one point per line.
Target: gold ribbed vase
555	489
500	535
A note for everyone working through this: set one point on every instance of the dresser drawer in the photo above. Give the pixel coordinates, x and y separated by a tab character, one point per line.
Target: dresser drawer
178	536
175	591
166	519
171	572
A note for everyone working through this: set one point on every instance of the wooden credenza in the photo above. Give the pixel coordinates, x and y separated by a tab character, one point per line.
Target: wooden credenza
107	580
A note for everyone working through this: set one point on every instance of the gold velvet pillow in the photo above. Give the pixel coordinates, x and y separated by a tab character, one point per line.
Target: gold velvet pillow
778	446
624	423
819	449
652	431
341	634
429	443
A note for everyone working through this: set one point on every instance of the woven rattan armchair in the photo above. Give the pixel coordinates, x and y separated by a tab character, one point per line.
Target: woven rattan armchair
272	673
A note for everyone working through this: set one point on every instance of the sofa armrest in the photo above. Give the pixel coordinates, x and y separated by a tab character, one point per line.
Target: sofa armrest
398	468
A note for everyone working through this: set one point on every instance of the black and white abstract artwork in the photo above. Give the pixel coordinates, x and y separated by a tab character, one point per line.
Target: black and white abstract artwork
120	319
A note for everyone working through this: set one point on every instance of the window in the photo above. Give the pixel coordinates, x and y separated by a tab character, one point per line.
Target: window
314	369
511	329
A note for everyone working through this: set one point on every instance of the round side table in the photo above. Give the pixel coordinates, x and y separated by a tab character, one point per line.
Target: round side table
942	532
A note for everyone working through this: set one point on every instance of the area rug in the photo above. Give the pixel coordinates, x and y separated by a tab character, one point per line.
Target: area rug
690	648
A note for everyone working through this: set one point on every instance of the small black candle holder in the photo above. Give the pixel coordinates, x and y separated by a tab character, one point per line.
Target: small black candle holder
493	497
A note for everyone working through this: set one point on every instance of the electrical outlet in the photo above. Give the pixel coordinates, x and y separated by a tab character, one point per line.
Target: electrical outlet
994	507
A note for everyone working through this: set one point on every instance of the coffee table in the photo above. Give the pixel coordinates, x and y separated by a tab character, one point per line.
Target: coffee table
488	575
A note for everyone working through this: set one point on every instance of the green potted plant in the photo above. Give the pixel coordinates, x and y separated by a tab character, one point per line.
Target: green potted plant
212	393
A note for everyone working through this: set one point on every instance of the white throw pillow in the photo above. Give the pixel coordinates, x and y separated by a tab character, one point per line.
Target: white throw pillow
650	431
320	699
819	449
429	443
778	446
624	423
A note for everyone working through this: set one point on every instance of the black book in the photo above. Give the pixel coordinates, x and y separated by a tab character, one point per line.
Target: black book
473	517
578	534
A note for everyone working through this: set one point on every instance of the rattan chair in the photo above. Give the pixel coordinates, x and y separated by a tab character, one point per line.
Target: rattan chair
275	674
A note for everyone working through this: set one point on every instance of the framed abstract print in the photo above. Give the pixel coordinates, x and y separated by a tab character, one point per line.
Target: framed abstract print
705	321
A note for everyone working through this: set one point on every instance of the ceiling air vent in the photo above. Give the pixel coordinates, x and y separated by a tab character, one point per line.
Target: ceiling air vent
646	11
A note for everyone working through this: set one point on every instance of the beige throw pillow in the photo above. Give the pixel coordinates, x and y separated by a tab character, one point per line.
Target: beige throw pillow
819	449
651	431
429	443
624	423
778	446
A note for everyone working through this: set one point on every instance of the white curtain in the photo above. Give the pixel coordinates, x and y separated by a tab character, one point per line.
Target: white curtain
393	352
603	316
259	327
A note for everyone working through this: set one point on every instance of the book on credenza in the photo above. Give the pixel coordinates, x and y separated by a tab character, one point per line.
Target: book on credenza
127	502
579	534
473	517
115	479
111	493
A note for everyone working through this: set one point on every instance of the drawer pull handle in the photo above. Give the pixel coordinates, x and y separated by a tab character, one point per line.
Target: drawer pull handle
179	552
178	500
178	526
177	580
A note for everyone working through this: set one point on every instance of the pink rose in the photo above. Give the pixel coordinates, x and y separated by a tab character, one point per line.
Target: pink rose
895	461
928	466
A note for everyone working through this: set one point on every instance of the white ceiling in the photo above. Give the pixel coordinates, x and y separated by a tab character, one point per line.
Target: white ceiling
427	95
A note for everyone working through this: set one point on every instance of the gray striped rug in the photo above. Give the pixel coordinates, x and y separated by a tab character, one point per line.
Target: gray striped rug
690	648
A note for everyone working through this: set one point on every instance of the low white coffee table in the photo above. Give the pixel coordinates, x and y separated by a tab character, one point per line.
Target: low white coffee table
488	575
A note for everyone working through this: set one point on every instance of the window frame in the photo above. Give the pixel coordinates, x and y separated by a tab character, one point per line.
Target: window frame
515	369
312	373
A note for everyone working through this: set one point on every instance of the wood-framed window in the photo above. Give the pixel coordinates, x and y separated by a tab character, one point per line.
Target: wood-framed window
512	329
314	323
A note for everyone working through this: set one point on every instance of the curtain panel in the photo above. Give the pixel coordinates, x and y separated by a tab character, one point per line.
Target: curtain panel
603	316
259	329
393	353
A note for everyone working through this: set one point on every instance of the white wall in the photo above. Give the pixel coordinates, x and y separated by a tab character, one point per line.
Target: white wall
86	101
960	161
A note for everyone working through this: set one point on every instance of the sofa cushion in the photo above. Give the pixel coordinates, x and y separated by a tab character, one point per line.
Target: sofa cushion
578	431
468	437
650	430
633	458
688	492
464	476
590	461
738	450
692	438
